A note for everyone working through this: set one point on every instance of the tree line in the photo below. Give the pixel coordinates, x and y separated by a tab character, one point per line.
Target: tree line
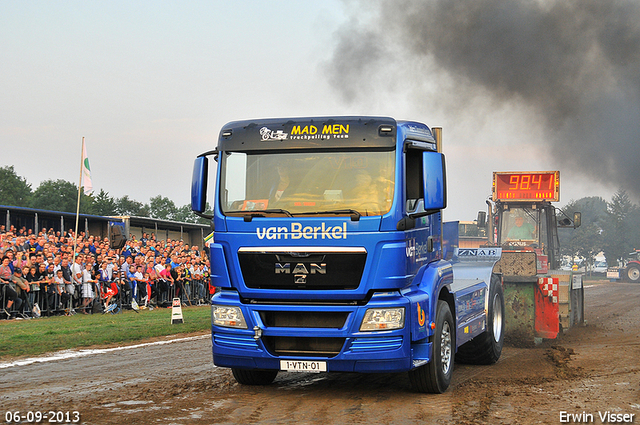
61	195
612	227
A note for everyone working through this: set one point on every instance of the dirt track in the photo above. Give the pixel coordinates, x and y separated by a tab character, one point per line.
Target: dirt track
591	369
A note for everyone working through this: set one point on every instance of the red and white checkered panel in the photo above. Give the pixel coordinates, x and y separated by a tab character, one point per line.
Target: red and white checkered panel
549	287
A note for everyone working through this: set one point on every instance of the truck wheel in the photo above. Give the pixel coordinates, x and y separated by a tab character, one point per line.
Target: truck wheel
633	273
254	376
435	376
486	348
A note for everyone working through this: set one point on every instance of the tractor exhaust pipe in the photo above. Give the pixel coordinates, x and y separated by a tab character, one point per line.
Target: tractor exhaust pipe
437	134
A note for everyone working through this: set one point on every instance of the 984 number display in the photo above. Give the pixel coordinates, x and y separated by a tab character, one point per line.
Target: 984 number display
526	186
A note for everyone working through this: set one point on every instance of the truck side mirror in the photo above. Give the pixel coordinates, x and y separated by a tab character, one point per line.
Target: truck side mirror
482	219
199	184
577	219
434	181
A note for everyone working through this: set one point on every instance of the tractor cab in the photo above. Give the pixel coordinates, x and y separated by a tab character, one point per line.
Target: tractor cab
540	298
525	218
529	227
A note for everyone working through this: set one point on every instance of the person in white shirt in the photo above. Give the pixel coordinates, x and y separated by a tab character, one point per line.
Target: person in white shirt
141	284
87	287
76	271
61	296
110	267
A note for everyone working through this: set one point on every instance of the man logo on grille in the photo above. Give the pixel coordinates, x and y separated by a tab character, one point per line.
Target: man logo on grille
300	271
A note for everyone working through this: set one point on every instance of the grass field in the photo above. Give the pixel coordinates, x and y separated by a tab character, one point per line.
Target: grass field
20	338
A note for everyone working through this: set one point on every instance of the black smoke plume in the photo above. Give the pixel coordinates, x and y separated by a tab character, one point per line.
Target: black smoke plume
574	63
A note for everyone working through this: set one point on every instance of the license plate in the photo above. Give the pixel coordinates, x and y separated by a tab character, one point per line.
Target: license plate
303	366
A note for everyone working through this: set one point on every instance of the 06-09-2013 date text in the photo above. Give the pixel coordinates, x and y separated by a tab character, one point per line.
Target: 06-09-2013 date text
50	416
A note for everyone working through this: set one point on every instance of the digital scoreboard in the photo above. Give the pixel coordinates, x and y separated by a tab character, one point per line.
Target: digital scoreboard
526	186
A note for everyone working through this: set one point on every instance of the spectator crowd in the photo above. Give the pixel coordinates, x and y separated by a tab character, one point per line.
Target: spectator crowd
41	276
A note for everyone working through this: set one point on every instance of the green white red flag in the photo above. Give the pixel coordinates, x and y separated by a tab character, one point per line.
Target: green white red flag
86	171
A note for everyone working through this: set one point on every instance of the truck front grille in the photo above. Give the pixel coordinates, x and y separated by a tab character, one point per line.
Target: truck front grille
303	319
301	346
304	269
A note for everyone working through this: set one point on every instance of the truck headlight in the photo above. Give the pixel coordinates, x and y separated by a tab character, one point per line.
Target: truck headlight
383	319
229	317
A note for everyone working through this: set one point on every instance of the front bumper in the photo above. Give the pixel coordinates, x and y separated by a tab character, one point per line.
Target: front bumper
342	346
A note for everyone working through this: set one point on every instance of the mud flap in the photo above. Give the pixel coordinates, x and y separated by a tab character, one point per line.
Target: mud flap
420	353
547	314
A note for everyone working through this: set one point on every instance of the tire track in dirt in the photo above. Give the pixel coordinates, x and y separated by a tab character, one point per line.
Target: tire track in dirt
590	368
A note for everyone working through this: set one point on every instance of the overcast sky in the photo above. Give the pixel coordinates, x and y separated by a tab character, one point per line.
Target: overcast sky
150	84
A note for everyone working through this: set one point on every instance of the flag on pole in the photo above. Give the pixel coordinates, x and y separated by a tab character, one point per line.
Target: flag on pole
86	171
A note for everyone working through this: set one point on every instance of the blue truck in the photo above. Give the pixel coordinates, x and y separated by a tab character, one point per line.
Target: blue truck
331	255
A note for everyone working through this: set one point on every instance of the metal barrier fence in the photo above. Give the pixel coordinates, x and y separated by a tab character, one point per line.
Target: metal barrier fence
191	292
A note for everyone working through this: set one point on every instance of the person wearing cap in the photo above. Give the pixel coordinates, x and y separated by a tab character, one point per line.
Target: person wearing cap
32	244
20	280
23	287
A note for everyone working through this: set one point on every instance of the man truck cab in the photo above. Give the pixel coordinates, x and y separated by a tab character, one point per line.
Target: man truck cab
331	254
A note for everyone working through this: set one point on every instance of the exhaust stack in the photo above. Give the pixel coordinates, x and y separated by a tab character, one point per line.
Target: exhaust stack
437	134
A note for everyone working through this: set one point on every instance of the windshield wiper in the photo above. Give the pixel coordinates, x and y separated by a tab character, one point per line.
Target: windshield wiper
355	214
248	215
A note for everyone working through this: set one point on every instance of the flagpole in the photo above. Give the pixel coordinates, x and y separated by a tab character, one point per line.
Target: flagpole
75	235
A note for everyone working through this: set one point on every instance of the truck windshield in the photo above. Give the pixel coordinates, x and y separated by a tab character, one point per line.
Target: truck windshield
325	183
520	226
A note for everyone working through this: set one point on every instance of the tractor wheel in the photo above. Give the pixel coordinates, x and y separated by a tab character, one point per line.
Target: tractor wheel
632	273
254	376
486	348
435	376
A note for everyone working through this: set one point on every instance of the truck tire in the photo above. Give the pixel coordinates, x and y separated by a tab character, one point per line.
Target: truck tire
435	376
254	376
632	273
486	348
